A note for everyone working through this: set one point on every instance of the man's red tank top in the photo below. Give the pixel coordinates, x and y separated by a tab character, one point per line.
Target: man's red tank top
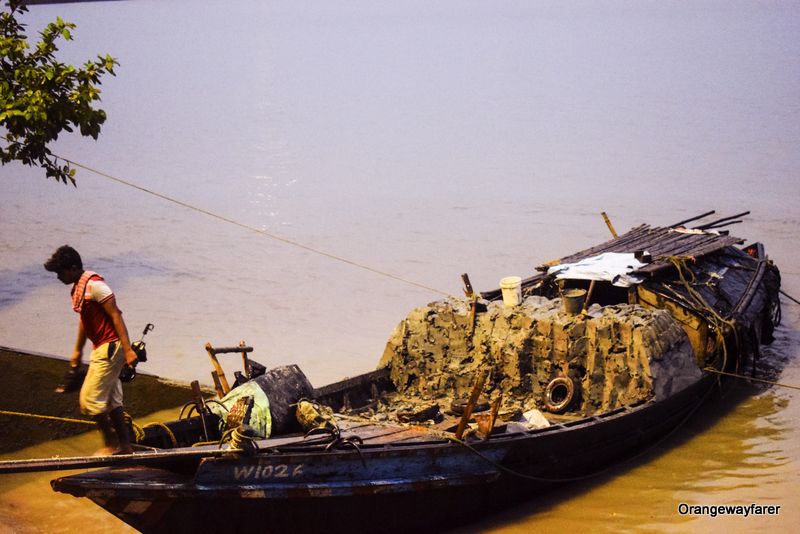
96	322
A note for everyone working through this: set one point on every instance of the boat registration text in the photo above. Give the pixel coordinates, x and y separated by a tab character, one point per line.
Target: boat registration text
261	472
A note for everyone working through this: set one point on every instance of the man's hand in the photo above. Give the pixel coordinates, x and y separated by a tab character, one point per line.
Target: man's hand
110	307
131	358
77	352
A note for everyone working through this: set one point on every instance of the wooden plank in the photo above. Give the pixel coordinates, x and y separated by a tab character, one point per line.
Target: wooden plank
607	246
697	249
381	433
670	241
675	246
120	460
419	437
374	432
648	243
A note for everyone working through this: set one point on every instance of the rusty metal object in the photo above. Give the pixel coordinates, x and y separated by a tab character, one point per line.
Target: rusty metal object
486	421
201	405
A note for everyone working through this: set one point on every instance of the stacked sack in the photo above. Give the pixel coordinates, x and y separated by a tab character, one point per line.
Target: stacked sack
615	355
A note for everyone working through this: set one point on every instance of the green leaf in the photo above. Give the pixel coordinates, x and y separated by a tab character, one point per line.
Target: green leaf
40	97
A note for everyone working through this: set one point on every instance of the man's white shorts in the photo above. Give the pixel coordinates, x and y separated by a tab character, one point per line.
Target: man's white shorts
102	390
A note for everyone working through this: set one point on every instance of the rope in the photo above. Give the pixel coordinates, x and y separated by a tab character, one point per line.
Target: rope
166	429
719	323
259	231
515	473
240	438
50	417
770	382
138	432
788	296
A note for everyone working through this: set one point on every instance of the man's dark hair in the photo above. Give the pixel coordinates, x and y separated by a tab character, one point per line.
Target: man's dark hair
63	258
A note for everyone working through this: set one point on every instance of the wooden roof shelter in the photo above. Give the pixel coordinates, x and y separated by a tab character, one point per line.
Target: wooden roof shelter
660	243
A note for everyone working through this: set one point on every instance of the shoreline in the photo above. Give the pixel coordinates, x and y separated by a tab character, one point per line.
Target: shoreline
28	380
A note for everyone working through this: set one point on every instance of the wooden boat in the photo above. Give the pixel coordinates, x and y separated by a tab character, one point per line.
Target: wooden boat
398	448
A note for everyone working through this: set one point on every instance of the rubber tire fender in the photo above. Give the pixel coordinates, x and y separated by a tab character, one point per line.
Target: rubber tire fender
553	406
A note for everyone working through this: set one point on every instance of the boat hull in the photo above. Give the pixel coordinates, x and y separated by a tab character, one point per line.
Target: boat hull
424	487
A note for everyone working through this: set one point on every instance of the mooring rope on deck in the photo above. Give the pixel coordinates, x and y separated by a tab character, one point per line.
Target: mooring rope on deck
681	264
259	231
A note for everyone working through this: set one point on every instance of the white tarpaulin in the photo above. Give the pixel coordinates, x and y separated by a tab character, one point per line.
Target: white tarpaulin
614	267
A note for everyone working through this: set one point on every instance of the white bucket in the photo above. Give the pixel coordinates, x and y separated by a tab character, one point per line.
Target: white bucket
512	290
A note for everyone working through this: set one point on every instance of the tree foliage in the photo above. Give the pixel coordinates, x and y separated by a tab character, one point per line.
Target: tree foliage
40	97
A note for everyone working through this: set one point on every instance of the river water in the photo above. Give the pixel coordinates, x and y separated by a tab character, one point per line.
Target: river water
421	139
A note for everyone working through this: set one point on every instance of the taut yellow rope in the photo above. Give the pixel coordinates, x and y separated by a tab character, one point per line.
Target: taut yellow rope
50	417
256	230
743	377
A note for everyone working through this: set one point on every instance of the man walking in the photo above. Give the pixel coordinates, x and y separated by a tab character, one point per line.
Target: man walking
101	322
